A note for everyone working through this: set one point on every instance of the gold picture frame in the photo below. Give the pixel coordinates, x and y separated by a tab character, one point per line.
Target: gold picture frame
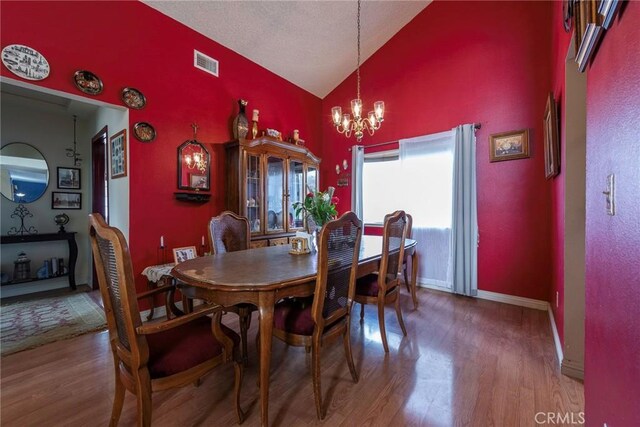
551	143
510	145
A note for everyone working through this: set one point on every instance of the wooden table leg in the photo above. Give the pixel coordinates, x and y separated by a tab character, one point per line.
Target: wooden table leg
414	278
151	285
266	304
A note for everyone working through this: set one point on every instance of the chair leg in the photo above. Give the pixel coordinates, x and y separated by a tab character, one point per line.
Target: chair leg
315	373
361	312
143	396
399	314
244	315
414	279
346	339
383	331
118	401
406	275
238	373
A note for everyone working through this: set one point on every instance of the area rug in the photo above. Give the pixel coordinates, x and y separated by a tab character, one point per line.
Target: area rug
29	324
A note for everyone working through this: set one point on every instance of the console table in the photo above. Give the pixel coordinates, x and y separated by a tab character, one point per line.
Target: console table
70	237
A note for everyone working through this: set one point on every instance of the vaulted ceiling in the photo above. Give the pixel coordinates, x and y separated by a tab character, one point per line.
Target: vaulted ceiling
309	43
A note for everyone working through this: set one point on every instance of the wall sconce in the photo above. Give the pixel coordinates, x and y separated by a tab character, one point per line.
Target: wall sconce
196	159
73	152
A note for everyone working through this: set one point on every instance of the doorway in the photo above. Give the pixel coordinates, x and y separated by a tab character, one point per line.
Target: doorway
99	182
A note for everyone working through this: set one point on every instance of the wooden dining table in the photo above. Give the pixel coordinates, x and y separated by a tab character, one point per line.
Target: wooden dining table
263	276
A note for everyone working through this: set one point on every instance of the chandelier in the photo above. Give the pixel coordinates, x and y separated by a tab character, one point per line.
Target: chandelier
358	124
73	152
196	159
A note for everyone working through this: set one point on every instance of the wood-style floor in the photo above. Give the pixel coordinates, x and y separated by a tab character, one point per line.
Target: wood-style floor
464	362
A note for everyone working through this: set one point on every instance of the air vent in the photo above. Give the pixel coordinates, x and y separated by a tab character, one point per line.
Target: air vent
205	63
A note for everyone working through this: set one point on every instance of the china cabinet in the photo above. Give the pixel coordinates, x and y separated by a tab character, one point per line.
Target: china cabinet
265	177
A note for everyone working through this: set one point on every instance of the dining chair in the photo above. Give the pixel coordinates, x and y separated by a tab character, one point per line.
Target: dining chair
229	232
411	286
315	321
154	356
383	287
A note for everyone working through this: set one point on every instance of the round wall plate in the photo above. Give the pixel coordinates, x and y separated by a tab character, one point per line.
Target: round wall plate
87	82
25	62
133	98
144	132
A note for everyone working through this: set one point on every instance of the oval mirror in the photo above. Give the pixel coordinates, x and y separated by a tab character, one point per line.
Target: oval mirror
193	166
24	171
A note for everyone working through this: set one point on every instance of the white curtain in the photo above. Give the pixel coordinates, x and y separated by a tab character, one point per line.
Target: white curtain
427	182
465	213
357	165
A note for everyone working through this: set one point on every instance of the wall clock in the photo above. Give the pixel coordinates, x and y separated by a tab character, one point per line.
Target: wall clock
25	62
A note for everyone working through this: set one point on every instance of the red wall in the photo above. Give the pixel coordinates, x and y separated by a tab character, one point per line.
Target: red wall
489	64
130	44
612	360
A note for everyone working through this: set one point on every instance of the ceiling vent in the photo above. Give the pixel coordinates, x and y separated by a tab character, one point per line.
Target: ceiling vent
205	63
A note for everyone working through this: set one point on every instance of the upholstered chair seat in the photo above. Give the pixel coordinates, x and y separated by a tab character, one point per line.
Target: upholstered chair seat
294	316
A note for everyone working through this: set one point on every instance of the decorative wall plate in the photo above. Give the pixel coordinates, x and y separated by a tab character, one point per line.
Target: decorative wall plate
25	62
133	98
144	132
88	82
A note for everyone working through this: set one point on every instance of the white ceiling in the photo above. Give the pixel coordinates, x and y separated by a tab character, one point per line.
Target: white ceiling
309	43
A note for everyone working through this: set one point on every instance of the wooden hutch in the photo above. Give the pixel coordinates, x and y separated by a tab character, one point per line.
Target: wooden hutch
265	177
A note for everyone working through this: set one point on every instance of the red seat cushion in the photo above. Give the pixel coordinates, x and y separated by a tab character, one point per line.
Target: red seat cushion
294	315
367	285
184	347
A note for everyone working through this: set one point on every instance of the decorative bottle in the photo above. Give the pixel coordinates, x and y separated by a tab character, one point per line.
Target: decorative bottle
240	123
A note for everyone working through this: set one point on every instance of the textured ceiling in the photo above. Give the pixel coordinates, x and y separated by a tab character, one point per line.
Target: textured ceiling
309	43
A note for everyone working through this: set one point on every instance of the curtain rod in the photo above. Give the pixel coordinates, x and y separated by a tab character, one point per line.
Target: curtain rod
476	126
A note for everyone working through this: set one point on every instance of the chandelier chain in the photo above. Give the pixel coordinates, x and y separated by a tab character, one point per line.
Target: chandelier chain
358	69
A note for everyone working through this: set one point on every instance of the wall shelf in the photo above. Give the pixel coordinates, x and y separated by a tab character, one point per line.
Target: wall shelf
34	279
192	197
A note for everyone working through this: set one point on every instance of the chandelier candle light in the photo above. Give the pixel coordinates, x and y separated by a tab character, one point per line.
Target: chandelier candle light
344	123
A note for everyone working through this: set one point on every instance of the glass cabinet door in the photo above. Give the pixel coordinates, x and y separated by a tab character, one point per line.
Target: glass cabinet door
275	195
312	178
296	193
254	192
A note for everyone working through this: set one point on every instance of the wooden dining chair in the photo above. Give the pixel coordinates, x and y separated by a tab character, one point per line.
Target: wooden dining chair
160	355
229	232
383	287
411	285
314	321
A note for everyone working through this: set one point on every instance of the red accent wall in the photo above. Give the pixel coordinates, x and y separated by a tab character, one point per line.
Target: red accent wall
561	40
465	62
131	44
612	368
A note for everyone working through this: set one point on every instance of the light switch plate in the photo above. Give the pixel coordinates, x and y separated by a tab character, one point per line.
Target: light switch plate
610	195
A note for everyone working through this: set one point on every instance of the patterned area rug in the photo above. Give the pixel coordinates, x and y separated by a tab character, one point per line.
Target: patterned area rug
29	324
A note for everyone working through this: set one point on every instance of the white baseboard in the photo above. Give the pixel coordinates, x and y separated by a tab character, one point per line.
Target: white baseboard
556	337
513	300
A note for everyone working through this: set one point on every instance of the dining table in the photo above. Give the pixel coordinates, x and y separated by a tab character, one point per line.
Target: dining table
262	277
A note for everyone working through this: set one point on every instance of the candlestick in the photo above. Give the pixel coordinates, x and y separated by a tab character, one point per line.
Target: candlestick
162	241
202	241
254	117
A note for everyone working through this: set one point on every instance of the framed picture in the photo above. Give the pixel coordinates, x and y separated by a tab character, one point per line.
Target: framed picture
588	30
61	200
198	181
68	178
509	145
551	144
118	154
183	254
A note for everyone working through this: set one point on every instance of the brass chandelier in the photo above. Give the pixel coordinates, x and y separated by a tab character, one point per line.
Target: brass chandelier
358	124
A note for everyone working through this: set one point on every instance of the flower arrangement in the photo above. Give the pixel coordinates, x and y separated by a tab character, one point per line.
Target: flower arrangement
319	206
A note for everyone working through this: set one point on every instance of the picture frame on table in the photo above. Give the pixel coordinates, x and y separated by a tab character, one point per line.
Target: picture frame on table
69	178
510	145
118	154
64	200
551	142
198	181
183	254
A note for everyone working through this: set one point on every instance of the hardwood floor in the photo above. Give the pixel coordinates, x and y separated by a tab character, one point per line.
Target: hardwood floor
464	362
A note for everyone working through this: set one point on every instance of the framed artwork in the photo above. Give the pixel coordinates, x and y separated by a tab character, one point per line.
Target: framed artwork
199	181
509	145
183	254
68	178
588	30
62	200
118	154
551	144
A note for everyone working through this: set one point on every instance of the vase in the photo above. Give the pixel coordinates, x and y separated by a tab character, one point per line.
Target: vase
240	123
